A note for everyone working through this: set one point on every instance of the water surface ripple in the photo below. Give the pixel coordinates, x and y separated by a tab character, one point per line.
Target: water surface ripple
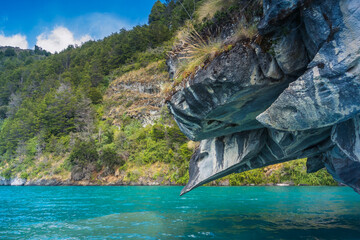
159	213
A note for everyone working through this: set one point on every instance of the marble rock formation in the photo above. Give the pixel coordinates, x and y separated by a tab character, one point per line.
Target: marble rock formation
251	107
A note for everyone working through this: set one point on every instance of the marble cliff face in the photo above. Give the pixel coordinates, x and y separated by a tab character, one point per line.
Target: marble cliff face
252	107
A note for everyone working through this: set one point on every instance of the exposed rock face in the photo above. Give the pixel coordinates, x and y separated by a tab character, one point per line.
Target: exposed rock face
4	182
82	172
328	91
226	97
346	136
17	181
139	93
253	107
12	182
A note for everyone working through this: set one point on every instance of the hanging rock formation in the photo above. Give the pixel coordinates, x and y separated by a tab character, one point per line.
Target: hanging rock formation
252	107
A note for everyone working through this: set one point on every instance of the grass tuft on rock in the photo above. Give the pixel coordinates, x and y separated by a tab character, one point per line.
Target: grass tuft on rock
209	8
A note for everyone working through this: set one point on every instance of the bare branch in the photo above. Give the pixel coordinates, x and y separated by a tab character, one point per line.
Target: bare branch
185	10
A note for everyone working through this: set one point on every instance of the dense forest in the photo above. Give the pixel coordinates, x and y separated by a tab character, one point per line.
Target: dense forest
85	114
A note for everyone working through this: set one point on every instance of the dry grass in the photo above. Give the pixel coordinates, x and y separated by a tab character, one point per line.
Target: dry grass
184	33
209	8
244	31
193	51
152	73
197	54
138	93
166	88
193	145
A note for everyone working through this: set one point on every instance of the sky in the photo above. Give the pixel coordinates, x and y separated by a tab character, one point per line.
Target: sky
55	24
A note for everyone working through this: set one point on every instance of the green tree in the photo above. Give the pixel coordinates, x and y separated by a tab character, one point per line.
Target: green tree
10	52
157	12
84	152
110	158
57	111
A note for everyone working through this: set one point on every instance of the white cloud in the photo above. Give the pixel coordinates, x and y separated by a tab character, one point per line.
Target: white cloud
16	40
99	25
59	39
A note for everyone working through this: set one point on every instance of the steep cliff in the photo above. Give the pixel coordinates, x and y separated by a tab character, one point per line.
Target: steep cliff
139	94
290	92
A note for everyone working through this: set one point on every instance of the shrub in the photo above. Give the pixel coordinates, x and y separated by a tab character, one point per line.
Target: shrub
185	152
110	158
7	173
157	132
133	176
175	135
31	146
83	153
295	171
24	175
58	170
58	145
95	96
132	127
153	151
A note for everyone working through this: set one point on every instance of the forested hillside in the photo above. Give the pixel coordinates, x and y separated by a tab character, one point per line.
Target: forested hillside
95	114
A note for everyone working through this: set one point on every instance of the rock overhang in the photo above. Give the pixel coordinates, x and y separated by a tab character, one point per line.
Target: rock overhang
251	108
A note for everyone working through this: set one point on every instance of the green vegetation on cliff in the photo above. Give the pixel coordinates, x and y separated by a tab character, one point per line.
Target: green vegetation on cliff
96	113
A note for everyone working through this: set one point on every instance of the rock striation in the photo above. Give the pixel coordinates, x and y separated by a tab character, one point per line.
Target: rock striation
297	96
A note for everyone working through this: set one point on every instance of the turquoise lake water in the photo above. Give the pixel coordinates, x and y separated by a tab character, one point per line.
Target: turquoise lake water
159	213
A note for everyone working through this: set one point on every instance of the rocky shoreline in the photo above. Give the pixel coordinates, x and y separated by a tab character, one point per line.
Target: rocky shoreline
57	182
